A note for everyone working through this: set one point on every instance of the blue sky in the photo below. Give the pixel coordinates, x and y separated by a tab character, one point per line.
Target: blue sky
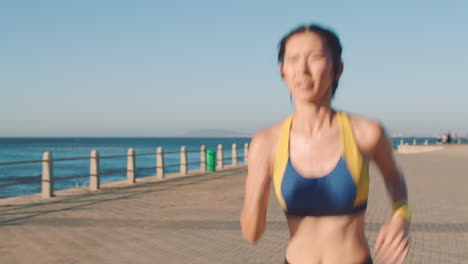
162	68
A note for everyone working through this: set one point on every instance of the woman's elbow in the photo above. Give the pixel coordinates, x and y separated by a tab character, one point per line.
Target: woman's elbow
252	239
252	236
250	231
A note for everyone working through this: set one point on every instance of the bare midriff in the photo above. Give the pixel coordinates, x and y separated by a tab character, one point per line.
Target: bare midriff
327	239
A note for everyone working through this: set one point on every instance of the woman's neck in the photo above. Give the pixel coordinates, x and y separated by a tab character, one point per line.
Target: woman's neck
310	119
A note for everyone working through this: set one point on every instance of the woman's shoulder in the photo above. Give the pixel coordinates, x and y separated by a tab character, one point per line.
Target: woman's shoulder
365	124
266	139
367	132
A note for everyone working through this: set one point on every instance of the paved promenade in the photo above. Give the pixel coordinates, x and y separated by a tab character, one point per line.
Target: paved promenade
195	219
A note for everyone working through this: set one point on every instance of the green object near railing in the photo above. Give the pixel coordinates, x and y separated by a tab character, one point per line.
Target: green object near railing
210	159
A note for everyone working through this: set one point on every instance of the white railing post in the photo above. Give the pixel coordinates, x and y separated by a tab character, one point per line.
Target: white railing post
131	166
220	161
183	160
246	152
203	158
94	170
414	141
234	154
47	175
401	142
160	163
426	142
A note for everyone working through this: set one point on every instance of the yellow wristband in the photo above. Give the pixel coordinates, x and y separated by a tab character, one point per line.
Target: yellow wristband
401	208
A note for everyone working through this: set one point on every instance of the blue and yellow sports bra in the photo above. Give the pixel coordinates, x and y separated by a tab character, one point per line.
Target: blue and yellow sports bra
343	191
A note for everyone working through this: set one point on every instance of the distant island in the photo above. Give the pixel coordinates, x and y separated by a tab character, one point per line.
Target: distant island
215	133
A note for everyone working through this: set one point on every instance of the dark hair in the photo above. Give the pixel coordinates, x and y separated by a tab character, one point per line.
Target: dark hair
330	39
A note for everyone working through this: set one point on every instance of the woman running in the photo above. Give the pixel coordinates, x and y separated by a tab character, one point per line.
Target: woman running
318	159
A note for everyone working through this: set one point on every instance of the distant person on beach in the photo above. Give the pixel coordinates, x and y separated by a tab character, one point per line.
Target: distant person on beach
317	159
446	138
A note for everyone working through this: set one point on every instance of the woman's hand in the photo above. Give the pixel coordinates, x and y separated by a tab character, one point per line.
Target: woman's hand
392	245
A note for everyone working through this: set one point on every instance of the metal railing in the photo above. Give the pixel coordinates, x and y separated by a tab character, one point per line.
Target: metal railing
48	179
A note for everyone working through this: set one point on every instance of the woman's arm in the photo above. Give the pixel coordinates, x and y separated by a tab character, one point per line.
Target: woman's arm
257	187
385	161
392	242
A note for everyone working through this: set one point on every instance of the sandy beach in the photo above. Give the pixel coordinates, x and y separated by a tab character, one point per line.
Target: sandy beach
196	219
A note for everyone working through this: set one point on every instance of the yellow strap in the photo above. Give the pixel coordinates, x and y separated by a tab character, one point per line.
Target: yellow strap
281	160
401	208
354	159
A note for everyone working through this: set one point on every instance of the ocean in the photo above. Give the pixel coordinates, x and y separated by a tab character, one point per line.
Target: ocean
23	149
26	149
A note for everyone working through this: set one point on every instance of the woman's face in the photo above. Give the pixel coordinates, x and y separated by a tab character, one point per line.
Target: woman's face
307	68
